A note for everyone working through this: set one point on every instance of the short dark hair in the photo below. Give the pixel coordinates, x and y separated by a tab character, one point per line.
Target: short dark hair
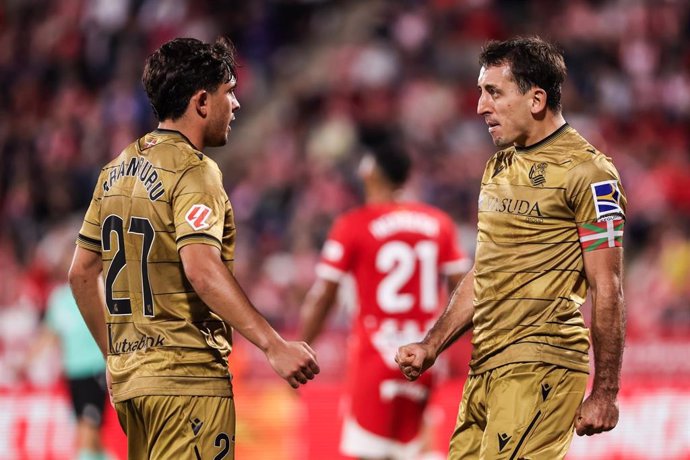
533	62
393	161
183	66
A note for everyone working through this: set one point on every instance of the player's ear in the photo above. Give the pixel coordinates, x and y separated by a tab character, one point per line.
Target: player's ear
538	102
200	102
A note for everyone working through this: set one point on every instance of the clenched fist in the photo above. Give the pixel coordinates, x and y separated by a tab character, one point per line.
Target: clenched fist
415	358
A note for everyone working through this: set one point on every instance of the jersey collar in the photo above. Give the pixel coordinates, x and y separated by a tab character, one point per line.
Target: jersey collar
548	139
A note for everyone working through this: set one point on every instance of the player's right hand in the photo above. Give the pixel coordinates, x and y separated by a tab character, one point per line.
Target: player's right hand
415	358
293	361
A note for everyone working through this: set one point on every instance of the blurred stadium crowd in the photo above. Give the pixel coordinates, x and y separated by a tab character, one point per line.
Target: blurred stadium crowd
319	82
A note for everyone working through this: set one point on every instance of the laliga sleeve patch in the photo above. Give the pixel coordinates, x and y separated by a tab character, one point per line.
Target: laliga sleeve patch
197	216
606	196
600	235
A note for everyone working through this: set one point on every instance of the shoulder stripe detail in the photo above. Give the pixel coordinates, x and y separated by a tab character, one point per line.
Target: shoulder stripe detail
329	273
134	197
195	193
154	166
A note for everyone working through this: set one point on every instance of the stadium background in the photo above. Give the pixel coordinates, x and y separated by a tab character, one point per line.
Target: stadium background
318	80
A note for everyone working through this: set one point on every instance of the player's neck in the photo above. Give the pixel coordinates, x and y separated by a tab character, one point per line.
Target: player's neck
191	132
380	194
543	129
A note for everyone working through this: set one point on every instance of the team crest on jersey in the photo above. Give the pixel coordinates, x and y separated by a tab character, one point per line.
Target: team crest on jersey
197	216
536	174
606	196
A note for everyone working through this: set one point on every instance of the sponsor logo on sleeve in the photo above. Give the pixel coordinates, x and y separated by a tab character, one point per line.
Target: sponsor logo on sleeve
606	196
197	216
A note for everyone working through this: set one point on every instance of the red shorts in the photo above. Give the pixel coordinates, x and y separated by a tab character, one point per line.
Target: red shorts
384	411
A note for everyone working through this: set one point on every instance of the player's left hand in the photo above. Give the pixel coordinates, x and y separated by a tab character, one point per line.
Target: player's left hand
596	414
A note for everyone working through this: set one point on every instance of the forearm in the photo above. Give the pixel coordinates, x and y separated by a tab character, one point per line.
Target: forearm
608	339
456	319
219	289
317	305
88	292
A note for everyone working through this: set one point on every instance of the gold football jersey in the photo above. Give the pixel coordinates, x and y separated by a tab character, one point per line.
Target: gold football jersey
157	196
530	280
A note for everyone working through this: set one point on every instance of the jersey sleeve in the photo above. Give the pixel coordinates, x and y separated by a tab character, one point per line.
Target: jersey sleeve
198	205
90	233
337	253
598	201
452	260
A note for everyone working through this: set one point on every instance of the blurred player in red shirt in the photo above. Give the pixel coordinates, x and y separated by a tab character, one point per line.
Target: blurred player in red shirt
397	252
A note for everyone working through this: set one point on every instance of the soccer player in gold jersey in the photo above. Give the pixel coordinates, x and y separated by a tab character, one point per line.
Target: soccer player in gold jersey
161	229
550	228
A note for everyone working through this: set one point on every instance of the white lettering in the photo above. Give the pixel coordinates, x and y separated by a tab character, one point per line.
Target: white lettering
404	221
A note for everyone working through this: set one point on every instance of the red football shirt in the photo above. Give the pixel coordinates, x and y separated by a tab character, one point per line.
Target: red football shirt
396	253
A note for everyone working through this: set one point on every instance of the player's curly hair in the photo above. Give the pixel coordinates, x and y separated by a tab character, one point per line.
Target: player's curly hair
533	62
183	66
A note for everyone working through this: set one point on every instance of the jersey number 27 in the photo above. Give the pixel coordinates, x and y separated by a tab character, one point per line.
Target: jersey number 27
137	225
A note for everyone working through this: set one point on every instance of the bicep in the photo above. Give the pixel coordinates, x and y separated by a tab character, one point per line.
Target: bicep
198	257
604	268
86	263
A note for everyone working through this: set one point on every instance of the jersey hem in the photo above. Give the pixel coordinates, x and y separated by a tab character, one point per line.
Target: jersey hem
182	387
529	352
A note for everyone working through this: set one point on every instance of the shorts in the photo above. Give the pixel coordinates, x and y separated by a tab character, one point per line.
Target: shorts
518	411
88	398
184	427
384	412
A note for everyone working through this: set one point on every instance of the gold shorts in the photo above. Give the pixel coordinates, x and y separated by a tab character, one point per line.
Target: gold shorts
184	427
518	411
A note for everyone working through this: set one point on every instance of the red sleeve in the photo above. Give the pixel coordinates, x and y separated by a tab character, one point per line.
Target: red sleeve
451	258
338	251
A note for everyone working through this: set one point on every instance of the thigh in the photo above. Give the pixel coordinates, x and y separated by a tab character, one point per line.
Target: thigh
132	424
531	409
467	437
194	427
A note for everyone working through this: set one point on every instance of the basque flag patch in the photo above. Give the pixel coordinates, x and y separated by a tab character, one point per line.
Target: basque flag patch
600	235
